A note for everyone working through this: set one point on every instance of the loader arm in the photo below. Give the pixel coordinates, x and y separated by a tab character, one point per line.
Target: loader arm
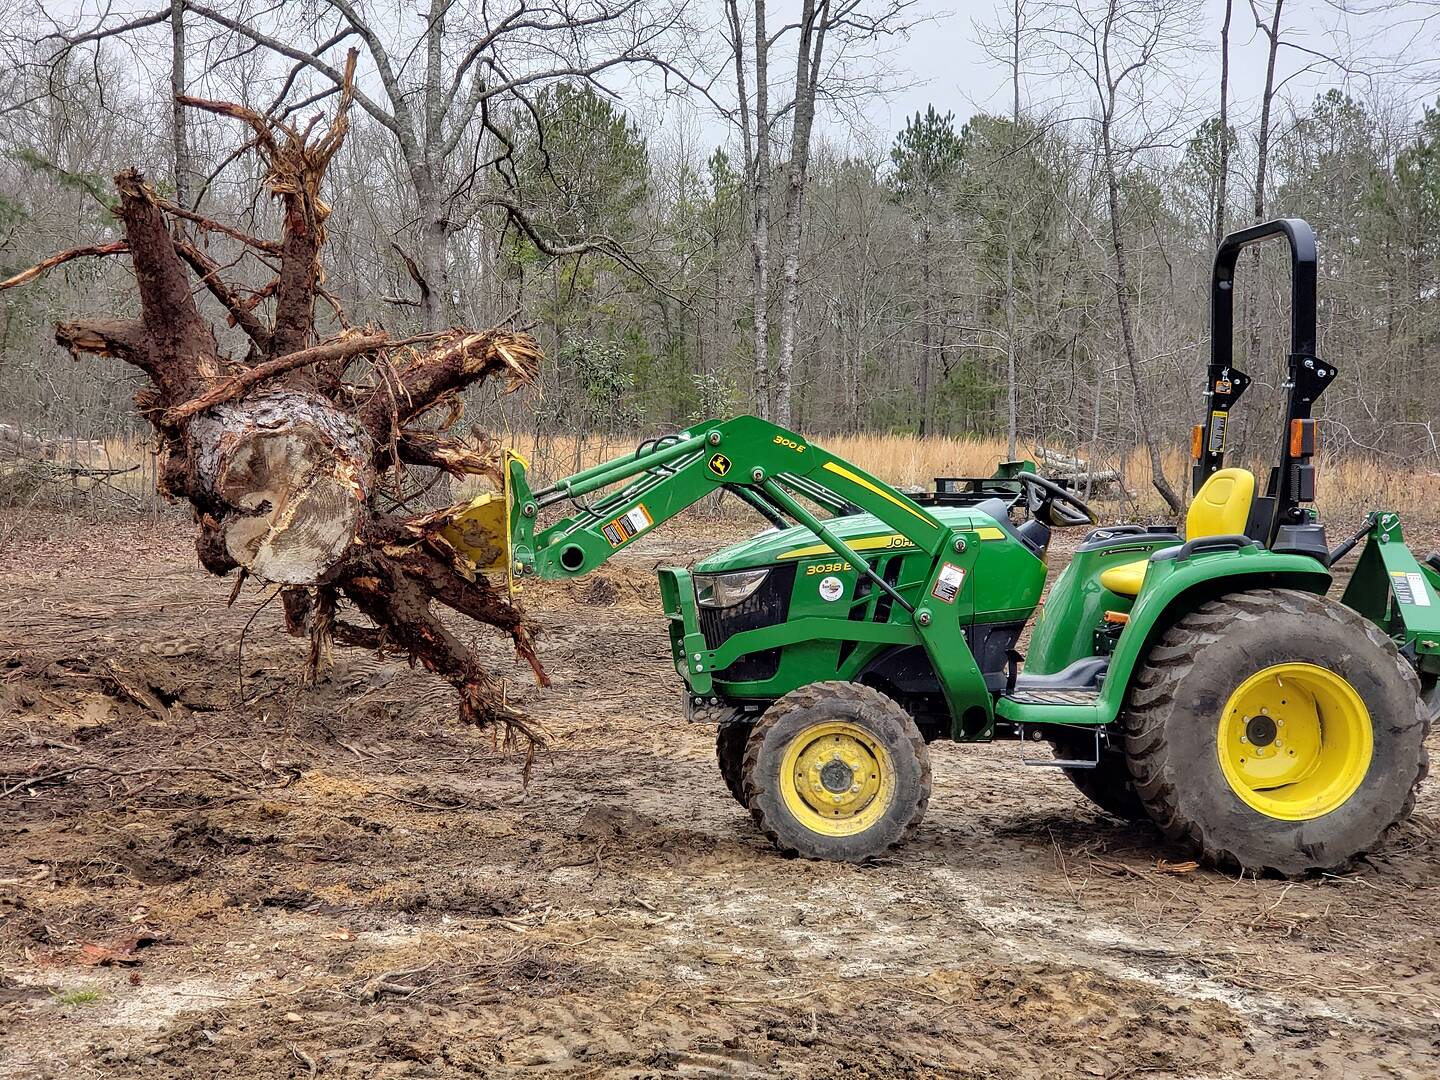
772	469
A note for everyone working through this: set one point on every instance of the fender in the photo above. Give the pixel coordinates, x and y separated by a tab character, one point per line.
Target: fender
1175	587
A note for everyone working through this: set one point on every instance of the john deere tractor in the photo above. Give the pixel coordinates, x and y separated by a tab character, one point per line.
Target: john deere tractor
1204	679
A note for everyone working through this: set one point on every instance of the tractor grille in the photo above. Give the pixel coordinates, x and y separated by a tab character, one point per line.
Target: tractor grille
766	606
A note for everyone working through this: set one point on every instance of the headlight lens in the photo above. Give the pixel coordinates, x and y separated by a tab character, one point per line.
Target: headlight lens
727	590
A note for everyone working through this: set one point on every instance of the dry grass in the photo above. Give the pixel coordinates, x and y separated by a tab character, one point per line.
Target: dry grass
1349	485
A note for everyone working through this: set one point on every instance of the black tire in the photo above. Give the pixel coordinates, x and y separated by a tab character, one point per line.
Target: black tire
730	743
905	788
1109	784
1179	693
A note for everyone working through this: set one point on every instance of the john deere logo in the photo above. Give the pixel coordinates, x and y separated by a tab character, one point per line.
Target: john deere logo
720	464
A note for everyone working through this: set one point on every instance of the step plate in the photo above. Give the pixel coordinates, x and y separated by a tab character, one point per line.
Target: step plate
1055	697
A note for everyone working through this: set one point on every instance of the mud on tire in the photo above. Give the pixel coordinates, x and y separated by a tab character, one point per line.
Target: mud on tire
806	734
1179	694
730	743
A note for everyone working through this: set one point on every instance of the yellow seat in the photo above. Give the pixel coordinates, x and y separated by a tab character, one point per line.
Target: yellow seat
1220	508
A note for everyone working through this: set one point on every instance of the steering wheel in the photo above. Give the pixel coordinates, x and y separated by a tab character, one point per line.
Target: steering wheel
1054	504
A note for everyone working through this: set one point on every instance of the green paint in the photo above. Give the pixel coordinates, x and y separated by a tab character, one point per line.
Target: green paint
835	626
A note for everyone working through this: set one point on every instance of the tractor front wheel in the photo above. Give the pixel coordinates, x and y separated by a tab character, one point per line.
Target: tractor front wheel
838	771
1276	731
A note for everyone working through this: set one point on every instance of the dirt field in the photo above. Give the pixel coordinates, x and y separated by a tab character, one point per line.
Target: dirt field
208	870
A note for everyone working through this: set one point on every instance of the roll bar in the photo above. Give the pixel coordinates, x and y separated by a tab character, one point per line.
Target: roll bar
1292	481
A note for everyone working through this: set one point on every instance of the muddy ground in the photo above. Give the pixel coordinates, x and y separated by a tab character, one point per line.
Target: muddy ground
208	870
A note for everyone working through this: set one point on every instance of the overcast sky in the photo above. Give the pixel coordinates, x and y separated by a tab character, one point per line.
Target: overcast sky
942	62
945	65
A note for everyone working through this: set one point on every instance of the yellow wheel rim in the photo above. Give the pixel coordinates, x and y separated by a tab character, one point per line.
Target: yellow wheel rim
1295	741
836	779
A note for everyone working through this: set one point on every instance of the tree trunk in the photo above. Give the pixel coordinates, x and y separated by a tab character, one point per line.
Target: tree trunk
760	215
1127	327
925	410
809	54
281	457
1263	144
184	169
434	269
1222	180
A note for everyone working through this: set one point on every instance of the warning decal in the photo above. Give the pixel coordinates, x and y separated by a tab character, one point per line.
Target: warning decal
1410	588
948	583
1218	419
628	526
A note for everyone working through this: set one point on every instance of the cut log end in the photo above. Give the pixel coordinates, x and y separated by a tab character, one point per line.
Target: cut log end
290	475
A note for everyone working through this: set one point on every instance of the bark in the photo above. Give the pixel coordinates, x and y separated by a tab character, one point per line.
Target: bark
1272	32
758	163
755	141
926	411
184	169
1222	180
1127	317
280	459
815	21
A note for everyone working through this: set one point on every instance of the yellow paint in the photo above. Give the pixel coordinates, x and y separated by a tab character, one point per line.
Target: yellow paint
481	532
1322	747
1222	505
824	752
855	478
865	543
879	543
1125	579
1220	508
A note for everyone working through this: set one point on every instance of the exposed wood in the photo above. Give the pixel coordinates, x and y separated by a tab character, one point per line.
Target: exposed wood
278	453
83	252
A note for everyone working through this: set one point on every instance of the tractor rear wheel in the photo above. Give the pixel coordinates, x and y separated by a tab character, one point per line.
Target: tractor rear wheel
1109	784
836	770
730	743
1276	731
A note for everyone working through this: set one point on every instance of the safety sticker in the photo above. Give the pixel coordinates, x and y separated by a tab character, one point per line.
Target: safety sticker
1218	419
947	584
1410	588
628	526
831	589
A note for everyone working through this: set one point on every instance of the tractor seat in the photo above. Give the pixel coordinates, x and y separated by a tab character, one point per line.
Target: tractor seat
1220	508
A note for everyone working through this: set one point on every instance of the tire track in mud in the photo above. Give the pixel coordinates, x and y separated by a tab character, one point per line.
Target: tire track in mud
621	918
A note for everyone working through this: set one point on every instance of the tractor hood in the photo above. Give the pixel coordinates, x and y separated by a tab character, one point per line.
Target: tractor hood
865	533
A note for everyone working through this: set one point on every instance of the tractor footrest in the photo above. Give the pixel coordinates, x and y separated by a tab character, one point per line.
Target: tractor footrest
1086	696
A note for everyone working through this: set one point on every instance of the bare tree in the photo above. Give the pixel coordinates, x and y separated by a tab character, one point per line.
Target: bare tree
1119	49
450	117
1222	179
1271	30
843	27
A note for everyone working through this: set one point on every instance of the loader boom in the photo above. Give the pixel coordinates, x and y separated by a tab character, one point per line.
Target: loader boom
772	470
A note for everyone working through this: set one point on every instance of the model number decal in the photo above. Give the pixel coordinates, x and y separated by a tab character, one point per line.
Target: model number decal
826	568
781	440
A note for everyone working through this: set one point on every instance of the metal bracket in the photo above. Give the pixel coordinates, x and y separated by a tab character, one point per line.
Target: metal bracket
1062	763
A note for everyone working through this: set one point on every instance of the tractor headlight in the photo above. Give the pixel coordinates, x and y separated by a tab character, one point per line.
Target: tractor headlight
727	590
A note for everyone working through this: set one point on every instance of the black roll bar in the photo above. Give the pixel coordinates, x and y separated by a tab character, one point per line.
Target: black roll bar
1292	481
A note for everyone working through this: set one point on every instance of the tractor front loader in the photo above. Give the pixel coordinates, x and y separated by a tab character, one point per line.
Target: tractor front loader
1204	680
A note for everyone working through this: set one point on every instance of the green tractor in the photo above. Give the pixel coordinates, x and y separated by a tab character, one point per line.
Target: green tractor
1203	680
